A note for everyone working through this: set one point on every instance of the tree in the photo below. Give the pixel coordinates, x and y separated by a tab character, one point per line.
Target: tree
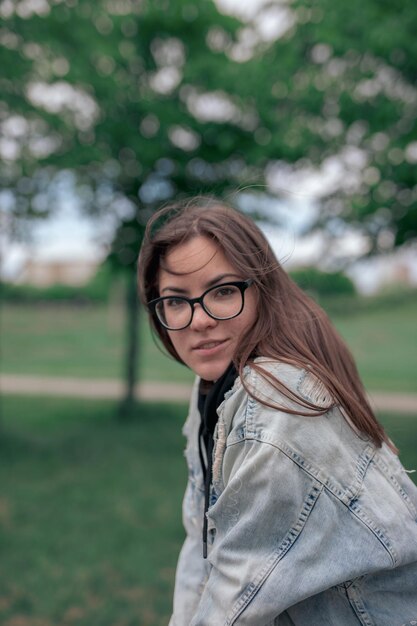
149	100
343	77
135	98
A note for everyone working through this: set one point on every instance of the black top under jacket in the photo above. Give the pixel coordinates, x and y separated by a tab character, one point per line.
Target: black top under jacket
208	403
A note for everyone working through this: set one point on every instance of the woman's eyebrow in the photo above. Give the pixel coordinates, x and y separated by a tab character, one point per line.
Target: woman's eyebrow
173	289
220	279
211	283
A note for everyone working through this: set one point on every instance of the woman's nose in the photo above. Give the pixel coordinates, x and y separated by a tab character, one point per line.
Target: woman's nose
201	319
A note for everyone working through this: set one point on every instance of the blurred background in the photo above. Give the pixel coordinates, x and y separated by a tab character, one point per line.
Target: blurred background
302	114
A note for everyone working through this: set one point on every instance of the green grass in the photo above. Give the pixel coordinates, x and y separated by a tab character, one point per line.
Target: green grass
59	340
384	344
79	341
90	513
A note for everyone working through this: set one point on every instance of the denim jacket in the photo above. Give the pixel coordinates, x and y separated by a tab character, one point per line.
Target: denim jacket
309	523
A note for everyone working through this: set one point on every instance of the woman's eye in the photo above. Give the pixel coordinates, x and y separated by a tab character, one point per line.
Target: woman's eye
174	303
223	292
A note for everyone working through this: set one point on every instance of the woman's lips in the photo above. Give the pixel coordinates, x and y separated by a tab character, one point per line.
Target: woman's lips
209	347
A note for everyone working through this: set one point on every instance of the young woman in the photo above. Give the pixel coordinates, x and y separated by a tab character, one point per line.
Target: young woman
297	510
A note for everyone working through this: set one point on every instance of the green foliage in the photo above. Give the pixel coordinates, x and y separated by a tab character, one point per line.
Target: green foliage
100	285
160	99
339	91
385	302
319	283
132	127
359	73
30	294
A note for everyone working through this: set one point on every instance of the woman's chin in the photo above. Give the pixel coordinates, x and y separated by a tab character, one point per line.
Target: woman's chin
211	371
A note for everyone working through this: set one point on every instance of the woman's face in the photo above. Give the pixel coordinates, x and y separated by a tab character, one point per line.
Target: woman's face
207	345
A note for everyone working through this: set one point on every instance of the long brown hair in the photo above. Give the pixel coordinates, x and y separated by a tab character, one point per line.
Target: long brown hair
290	326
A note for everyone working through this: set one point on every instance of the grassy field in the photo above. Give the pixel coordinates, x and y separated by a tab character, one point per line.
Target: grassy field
90	511
85	341
90	514
384	344
58	340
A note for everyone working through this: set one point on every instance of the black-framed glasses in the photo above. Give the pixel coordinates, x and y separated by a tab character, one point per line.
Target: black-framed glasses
221	302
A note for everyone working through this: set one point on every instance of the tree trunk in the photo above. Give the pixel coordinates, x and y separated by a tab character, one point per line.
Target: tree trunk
132	324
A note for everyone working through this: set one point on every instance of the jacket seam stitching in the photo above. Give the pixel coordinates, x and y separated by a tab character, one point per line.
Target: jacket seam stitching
389	476
277	555
352	506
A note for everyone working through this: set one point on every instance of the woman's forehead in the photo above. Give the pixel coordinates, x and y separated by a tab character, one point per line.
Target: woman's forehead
198	255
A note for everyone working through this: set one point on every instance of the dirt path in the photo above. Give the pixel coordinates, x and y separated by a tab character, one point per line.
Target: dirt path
90	388
173	392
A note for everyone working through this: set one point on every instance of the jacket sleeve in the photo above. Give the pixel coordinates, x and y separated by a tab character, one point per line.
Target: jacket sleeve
192	570
277	537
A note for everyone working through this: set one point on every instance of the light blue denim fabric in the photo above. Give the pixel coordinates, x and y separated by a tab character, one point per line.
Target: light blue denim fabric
309	523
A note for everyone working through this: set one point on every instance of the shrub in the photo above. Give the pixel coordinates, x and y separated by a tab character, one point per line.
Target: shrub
97	290
318	283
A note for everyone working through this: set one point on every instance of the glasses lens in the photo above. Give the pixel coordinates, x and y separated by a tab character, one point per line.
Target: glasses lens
174	313
224	302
